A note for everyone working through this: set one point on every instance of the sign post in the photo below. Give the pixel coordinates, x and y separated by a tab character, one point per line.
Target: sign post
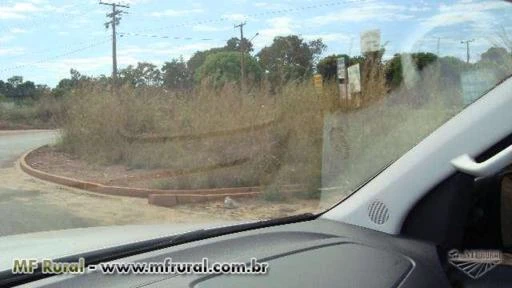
354	80
342	83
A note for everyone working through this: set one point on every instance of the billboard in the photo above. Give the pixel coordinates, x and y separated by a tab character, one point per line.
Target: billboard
370	41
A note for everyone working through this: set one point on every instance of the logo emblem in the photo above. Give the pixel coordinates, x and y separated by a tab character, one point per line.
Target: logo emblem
475	263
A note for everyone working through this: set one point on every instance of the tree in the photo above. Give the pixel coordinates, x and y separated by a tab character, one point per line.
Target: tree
198	59
496	55
25	90
223	67
42	90
394	69
176	75
17	89
144	74
232	45
289	58
498	60
6	89
15	81
67	84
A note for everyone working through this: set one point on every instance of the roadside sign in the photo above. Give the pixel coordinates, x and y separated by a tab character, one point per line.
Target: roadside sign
354	79
370	41
341	68
318	81
475	83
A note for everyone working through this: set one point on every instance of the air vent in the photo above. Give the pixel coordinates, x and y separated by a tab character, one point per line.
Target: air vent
378	212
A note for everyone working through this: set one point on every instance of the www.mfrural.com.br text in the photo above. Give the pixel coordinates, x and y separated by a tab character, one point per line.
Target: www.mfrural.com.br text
167	266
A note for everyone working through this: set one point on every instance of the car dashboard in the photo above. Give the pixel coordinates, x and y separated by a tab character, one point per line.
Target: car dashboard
315	253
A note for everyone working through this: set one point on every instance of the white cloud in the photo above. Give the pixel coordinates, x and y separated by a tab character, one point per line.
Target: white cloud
175	13
270	6
11	51
24	9
164	50
261	4
464	19
477	14
6	38
372	12
18	31
235	17
330	37
279	26
129	2
18	10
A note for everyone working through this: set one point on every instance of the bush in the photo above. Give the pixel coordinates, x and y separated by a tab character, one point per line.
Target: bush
42	113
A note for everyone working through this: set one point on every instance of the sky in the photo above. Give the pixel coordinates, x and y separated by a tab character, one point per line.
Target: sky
42	40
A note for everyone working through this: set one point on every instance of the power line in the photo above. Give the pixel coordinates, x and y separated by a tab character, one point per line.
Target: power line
60	47
49	59
259	14
123	34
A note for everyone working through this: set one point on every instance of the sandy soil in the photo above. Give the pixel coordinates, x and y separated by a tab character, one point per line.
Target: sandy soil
50	160
113	210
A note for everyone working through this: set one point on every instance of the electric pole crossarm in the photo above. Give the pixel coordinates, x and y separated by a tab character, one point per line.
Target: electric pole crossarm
115	4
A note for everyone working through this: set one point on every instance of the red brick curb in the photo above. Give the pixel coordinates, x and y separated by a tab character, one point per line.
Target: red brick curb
167	198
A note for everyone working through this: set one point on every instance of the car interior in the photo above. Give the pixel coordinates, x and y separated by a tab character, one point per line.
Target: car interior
461	212
400	232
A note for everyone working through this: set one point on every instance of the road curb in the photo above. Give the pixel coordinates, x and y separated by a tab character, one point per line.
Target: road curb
166	198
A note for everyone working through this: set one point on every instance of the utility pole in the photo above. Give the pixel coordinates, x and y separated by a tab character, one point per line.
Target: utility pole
467	48
115	17
242	52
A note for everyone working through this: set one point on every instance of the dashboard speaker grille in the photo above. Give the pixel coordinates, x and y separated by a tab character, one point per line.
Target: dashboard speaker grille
378	212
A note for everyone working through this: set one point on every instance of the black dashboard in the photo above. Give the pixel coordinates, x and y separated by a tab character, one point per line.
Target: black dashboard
316	253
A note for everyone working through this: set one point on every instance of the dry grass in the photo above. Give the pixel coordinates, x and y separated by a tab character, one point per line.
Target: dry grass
288	151
42	113
377	127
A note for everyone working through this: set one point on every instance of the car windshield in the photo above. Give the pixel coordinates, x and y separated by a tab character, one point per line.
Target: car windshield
173	112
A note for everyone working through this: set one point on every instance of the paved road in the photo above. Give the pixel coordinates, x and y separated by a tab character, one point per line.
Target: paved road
22	209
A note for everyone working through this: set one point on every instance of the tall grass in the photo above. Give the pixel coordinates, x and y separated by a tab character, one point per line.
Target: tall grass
152	128
45	112
97	124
